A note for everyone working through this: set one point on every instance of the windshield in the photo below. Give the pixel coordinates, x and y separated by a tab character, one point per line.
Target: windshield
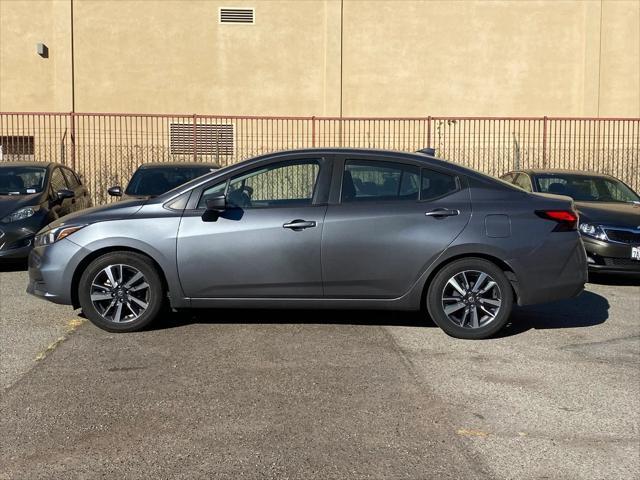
583	188
21	180
156	181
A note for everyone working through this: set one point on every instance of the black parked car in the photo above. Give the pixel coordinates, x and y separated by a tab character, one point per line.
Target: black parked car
153	179
609	213
32	195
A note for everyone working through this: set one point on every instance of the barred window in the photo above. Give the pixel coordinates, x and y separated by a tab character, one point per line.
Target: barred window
17	145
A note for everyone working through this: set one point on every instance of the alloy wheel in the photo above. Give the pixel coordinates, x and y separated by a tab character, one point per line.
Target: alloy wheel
471	299
120	293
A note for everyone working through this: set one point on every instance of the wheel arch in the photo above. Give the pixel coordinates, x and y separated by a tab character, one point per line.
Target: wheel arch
491	257
77	274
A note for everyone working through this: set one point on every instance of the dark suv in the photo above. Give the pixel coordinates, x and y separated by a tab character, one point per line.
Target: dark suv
609	213
32	195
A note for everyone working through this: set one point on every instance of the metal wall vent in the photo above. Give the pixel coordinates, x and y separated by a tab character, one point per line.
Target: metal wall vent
237	15
204	139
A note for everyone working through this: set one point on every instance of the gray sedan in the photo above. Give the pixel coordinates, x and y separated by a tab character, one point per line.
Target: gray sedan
325	228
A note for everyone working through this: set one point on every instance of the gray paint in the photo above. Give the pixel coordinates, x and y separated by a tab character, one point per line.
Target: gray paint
373	255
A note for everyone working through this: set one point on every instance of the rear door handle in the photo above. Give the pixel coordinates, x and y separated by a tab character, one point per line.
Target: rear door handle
442	212
299	224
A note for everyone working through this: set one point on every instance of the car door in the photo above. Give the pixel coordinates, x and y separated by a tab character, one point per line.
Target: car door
390	221
267	242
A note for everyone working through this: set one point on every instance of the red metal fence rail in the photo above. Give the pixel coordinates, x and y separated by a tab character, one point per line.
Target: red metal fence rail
107	147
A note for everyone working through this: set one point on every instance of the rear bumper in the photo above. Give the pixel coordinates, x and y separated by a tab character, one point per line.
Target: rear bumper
559	277
610	257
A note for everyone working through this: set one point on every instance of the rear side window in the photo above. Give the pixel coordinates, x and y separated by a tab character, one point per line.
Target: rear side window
365	180
436	184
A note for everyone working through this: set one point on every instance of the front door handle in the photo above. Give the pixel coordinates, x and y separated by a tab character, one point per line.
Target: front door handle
299	224
442	212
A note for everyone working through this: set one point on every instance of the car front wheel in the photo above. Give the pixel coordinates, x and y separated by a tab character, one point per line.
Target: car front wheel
121	292
470	298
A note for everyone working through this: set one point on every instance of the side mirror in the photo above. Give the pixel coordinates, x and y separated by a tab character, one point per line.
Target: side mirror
63	194
217	204
115	191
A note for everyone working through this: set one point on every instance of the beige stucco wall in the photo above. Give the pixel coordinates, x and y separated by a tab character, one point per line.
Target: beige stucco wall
574	58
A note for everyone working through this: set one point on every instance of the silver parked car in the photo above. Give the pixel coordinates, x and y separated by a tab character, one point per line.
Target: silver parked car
330	228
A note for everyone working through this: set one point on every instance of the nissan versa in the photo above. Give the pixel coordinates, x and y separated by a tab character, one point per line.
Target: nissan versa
609	214
331	228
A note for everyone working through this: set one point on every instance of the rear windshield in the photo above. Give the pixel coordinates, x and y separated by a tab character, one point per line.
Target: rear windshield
583	188
156	181
22	180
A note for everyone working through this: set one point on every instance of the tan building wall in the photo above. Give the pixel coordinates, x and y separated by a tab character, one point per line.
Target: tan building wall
324	57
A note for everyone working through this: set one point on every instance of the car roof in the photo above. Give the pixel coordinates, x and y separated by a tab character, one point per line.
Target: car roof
420	156
179	165
560	171
28	164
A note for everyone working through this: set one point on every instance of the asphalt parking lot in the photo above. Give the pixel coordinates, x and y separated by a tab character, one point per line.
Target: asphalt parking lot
300	394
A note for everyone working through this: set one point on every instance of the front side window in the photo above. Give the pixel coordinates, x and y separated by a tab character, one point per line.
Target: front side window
436	184
522	181
276	185
365	180
57	180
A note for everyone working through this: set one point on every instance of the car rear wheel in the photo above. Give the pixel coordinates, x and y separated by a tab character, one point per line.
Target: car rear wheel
470	298
121	292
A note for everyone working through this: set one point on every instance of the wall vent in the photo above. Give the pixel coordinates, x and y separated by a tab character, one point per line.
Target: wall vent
237	15
205	139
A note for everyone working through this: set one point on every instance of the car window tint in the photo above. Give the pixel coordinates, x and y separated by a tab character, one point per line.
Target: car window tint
275	185
153	181
57	180
72	180
365	180
507	178
211	192
523	182
436	184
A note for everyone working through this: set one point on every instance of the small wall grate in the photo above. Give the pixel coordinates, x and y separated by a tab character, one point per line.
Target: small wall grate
204	139
237	15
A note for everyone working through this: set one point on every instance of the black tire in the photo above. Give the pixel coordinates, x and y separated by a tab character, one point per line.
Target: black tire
440	287
152	296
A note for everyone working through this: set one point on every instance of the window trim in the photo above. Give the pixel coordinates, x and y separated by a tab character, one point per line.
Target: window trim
324	163
419	165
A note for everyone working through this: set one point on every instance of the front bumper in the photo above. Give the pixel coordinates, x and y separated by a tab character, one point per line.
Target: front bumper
51	270
16	238
610	257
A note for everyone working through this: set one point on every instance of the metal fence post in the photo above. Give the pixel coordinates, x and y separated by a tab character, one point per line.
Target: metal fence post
544	142
428	145
195	138
72	116
313	131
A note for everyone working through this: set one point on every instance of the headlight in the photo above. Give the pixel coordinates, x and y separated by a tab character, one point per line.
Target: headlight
593	230
21	214
52	236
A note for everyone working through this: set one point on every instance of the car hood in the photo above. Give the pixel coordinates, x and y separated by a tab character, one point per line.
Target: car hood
113	211
11	203
610	213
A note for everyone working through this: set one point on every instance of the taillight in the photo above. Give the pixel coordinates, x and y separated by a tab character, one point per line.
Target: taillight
567	219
